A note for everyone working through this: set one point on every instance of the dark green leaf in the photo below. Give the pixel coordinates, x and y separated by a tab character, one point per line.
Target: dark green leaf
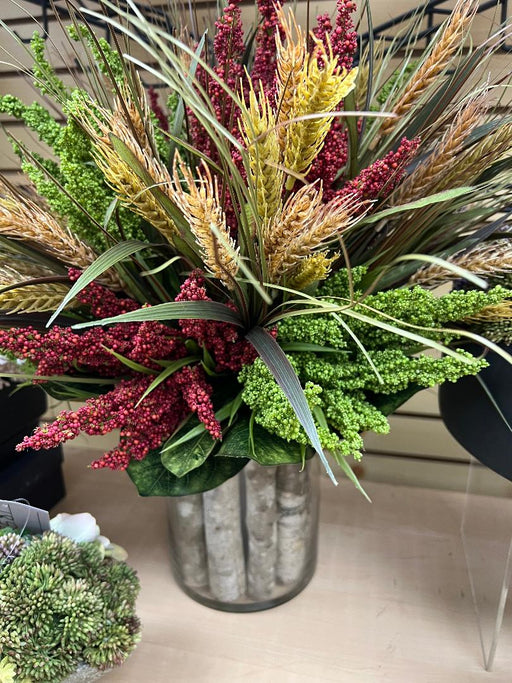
190	455
152	479
388	403
137	367
445	196
267	448
306	347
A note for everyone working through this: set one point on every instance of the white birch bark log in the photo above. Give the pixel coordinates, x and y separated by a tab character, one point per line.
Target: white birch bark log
83	674
261	524
293	504
191	544
226	566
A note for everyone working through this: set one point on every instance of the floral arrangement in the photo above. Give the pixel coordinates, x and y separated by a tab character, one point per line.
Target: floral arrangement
67	603
246	270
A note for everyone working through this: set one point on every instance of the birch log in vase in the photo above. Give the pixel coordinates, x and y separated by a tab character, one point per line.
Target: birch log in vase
191	542
83	674
224	546
261	525
293	505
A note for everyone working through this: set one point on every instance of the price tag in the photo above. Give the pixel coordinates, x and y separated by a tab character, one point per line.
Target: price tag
23	517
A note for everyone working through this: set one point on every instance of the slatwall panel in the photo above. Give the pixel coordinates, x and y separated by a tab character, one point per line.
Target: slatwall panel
419	450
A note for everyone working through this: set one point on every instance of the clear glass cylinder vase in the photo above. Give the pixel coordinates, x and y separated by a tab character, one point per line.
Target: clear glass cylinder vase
251	543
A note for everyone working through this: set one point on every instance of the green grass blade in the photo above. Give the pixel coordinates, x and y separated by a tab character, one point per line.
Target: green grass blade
276	361
108	259
165	374
173	310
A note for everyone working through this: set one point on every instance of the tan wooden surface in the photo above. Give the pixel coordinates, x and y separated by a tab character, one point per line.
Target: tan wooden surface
390	601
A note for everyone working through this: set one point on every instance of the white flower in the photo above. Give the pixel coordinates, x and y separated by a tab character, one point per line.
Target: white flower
81	527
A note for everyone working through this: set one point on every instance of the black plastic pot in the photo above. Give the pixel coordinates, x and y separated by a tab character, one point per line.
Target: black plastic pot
35	476
472	418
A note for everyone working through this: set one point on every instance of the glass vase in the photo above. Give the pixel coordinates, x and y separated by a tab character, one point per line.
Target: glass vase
84	674
251	543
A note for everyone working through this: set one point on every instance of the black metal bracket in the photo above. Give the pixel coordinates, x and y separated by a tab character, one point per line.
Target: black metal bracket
434	13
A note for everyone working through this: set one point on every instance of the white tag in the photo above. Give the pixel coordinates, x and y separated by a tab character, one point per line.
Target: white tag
23	517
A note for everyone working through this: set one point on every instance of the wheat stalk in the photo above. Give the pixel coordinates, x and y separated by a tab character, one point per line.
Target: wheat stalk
35	298
489	258
24	269
304	225
439	57
311	269
207	220
477	159
257	125
22	219
132	190
431	172
291	56
493	313
320	90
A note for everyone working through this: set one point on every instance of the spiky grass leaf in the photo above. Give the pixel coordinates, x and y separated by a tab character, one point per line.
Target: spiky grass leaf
438	197
165	374
282	370
173	310
105	261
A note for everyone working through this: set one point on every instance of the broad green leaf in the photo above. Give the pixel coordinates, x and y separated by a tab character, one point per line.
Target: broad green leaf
109	258
192	428
388	403
173	310
266	450
276	361
190	455
169	370
152	479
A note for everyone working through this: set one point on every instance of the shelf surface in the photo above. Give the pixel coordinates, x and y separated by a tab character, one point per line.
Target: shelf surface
390	601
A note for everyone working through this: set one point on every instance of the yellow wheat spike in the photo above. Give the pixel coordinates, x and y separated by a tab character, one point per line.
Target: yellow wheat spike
136	116
319	91
480	156
200	205
23	268
257	125
37	298
22	219
431	172
305	225
291	56
439	57
132	190
493	313
311	269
